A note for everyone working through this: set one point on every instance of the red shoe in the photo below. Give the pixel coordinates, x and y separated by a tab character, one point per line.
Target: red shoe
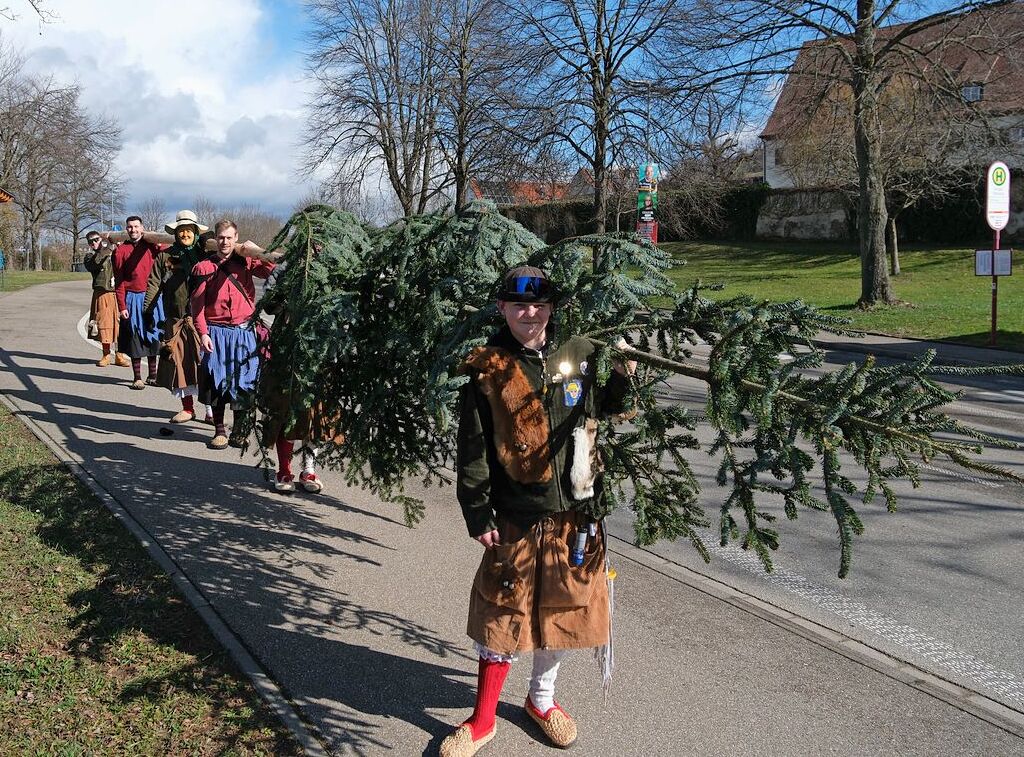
311	483
285	483
556	723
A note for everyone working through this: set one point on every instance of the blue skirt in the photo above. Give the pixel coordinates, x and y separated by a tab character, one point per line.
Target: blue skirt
140	336
149	326
230	370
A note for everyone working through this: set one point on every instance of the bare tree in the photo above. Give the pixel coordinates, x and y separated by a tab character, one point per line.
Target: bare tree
253	222
47	138
45	16
88	181
376	100
55	157
596	75
153	211
206	210
749	44
483	130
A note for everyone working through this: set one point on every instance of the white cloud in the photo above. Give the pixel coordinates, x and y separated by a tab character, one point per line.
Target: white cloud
179	76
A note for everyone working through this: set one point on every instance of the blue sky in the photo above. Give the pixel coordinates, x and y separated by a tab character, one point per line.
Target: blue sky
210	94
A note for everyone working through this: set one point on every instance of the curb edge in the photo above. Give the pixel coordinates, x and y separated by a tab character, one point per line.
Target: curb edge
261	680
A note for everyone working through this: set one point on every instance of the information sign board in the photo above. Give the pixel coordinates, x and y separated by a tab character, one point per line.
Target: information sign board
993	263
997	197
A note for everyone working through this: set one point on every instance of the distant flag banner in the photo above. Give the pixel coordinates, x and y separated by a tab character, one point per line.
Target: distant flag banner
647	201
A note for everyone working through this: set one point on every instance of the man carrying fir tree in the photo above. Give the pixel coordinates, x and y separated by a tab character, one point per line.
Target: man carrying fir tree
223	303
527	464
170	285
139	333
103	311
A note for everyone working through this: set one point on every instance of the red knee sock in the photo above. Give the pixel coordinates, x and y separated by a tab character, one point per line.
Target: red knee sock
186	404
490	680
152	366
106	348
284	457
137	368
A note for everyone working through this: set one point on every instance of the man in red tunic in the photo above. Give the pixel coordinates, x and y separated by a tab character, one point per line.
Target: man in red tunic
139	334
223	302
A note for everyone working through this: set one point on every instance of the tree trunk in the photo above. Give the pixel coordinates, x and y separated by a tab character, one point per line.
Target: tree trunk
875	286
600	182
892	245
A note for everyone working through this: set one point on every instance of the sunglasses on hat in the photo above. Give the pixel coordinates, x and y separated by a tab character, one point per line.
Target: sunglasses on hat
533	286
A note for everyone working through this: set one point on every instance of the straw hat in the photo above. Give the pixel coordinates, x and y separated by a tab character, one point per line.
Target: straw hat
185	218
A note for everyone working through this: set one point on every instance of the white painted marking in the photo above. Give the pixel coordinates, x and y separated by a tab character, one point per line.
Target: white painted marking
945	655
1013	396
85	335
964	476
964	408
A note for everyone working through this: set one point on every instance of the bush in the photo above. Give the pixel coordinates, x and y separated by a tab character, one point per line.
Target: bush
732	215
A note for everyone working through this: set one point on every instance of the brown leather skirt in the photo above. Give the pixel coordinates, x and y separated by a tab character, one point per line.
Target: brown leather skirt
526	595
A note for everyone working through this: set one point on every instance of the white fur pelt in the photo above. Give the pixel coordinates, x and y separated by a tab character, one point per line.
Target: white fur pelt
586	462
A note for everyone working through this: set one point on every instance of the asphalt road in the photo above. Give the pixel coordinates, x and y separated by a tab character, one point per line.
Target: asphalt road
936	583
361	620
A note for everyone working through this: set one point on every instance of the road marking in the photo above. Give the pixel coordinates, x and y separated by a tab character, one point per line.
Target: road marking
945	655
964	408
1014	396
958	474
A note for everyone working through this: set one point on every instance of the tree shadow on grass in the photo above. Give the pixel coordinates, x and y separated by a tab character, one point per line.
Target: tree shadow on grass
131	596
127	596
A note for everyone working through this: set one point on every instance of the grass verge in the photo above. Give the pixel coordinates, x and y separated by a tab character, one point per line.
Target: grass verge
947	301
99	654
12	281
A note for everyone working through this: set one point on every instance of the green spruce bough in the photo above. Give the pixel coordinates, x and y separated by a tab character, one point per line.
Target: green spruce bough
378	322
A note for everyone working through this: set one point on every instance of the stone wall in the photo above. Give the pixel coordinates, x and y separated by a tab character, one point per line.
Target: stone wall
803	214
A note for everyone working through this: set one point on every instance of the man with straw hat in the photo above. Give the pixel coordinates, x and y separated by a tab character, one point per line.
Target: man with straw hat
169	288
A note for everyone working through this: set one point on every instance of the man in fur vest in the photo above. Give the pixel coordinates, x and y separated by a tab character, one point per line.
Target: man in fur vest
526	461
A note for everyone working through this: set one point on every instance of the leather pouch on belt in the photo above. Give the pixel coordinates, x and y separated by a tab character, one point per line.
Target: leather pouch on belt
569	585
499	579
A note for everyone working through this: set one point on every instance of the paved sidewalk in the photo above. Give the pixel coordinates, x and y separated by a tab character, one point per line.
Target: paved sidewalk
361	620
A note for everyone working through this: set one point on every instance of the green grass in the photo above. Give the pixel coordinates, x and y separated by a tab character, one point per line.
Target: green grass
12	281
946	300
99	654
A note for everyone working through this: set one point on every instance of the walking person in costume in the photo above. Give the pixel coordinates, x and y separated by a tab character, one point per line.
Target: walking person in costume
170	285
526	462
103	310
223	302
281	429
139	334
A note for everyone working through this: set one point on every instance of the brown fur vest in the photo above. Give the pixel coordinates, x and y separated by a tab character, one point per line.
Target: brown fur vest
520	422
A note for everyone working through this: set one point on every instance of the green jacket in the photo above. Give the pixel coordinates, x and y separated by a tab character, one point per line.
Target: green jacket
484	489
100	265
170	279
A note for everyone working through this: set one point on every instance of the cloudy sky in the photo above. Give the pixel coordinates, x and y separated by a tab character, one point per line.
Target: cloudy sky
209	93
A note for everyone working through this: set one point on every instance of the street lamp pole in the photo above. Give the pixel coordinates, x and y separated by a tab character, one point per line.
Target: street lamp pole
647	85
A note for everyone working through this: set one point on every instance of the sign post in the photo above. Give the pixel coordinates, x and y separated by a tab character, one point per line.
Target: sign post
647	201
997	214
